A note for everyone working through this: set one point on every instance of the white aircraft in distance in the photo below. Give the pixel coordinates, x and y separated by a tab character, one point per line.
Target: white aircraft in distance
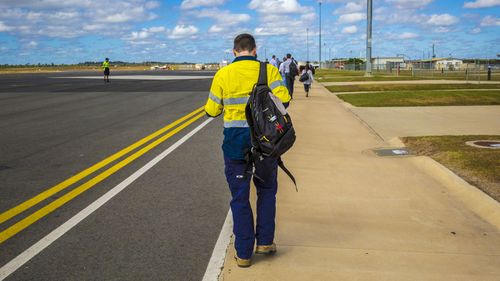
157	67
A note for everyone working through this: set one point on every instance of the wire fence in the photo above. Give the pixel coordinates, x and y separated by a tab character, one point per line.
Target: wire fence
472	72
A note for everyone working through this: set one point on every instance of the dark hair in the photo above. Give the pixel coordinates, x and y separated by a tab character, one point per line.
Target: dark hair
274	56
308	67
244	42
288	56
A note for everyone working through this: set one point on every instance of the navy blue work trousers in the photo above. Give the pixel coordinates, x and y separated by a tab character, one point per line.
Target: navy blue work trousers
239	184
290	80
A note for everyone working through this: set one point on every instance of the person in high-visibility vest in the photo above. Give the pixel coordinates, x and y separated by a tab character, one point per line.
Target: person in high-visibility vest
105	67
229	93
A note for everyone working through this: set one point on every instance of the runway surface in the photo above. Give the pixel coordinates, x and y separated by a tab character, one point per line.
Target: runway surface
162	226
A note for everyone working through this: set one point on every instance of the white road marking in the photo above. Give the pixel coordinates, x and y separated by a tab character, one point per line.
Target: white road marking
214	267
140	77
50	238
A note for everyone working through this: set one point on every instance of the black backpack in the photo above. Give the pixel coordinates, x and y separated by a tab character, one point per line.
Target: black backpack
304	77
294	71
271	128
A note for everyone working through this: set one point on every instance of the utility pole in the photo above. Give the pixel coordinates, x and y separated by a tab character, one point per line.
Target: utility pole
307	43
324	47
433	52
368	72
319	34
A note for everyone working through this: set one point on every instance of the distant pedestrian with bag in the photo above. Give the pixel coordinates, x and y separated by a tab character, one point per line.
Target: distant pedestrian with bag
306	77
291	70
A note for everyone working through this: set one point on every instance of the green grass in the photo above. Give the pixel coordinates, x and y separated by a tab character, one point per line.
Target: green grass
478	166
335	75
407	87
423	98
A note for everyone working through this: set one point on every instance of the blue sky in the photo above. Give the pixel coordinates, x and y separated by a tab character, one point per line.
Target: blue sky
71	31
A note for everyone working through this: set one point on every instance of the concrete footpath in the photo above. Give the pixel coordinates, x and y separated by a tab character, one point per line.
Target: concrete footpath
361	217
391	122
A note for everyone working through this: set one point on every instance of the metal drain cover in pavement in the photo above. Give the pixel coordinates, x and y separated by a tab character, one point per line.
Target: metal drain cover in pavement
402	151
491	144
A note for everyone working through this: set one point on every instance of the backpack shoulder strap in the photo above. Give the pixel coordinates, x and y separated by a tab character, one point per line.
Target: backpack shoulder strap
289	174
262	74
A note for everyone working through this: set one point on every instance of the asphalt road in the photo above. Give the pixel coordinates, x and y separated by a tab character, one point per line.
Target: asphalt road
163	226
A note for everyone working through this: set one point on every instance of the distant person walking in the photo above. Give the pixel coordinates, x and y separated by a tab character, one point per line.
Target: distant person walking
105	67
282	70
274	61
306	77
291	70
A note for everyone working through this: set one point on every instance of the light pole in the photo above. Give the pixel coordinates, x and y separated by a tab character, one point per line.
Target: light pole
319	34
324	47
368	72
307	43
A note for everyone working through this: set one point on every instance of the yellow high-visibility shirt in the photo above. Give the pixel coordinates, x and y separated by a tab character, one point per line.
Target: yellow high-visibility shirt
105	64
232	86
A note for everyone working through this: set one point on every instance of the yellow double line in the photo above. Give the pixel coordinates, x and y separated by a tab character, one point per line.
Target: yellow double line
49	208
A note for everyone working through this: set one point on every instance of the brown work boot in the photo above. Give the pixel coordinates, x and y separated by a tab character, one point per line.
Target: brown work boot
242	262
266	249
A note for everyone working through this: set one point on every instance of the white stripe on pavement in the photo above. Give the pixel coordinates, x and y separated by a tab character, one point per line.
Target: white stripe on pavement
216	262
50	238
140	77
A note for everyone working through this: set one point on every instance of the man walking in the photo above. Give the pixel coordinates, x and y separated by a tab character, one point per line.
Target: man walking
291	70
274	61
229	93
105	67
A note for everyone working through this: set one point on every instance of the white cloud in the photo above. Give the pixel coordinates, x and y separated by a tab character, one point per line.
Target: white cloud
183	31
156	29
74	18
31	44
482	4
145	33
441	29
490	21
4	27
350	29
278	6
409	4
350	7
278	17
407	35
216	29
442	20
191	4
353	17
475	30
224	18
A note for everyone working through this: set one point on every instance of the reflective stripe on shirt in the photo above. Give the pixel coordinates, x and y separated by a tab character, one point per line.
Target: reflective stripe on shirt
215	98
233	101
236	124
